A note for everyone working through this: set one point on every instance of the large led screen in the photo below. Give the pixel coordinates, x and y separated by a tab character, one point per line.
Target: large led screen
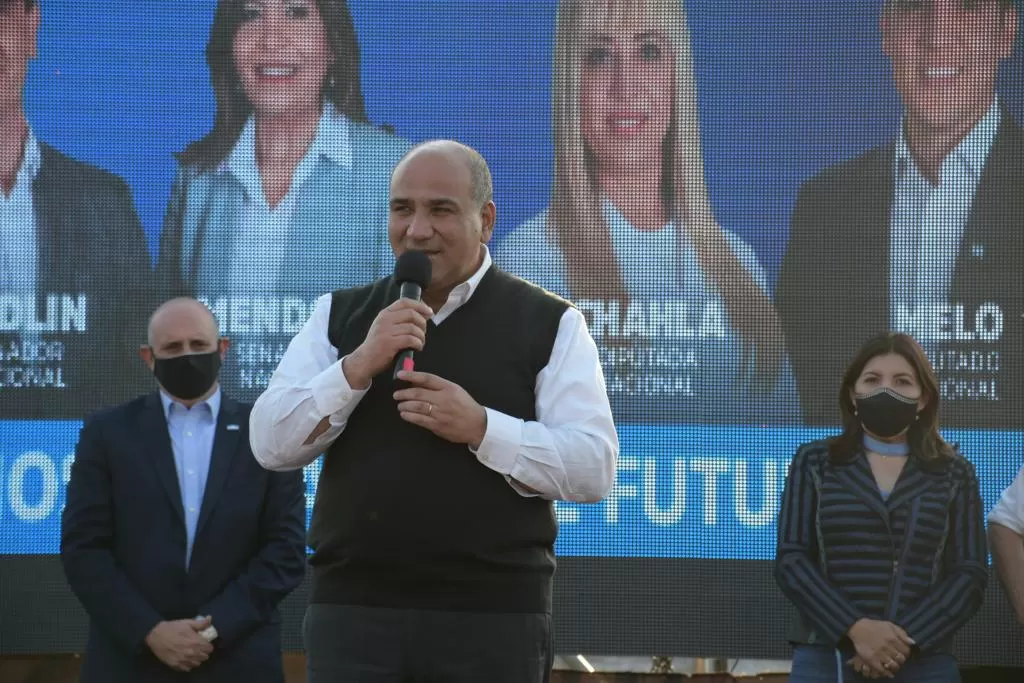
716	184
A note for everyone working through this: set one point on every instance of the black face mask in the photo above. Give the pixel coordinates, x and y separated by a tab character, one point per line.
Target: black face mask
885	412
187	377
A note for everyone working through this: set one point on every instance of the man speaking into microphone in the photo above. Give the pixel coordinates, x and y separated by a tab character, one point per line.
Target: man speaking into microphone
433	529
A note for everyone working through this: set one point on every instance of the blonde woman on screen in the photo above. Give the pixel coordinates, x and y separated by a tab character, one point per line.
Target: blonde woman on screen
677	304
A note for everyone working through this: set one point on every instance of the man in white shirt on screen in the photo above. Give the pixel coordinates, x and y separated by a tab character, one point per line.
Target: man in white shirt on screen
74	266
433	530
921	235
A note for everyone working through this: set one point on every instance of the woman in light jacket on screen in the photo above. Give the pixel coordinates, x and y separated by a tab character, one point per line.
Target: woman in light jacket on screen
286	198
678	304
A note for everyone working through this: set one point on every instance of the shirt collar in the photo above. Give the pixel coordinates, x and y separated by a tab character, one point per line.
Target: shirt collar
32	160
332	141
972	151
461	293
213	403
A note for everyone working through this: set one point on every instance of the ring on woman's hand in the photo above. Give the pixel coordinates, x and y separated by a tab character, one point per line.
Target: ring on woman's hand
430	409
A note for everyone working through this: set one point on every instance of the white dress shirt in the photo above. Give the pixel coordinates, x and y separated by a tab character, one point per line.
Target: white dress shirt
928	220
1009	511
569	453
19	251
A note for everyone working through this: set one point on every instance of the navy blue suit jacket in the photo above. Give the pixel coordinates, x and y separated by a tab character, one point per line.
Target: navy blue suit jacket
123	546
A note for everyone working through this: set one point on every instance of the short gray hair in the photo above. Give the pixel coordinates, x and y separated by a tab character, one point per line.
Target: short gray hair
481	185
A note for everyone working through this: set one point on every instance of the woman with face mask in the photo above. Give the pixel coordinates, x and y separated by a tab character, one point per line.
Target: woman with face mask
881	534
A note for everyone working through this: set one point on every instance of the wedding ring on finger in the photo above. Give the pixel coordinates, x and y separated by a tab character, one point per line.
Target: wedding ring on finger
430	409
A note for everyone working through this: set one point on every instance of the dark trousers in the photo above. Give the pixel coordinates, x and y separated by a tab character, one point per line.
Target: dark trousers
992	674
348	644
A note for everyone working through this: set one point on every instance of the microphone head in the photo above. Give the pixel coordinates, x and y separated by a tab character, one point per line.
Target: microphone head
413	266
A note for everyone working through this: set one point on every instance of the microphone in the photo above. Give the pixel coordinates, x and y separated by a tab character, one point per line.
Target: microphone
412	273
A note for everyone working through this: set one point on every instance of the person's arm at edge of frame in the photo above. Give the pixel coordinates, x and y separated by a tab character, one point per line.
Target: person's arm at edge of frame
1006	539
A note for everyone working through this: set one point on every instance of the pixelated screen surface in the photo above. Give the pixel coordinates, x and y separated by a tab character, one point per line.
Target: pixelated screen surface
721	187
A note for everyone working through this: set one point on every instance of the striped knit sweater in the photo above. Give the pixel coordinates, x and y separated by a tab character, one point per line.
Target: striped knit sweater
917	559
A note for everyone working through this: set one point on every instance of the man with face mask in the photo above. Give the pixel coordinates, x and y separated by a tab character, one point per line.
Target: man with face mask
176	542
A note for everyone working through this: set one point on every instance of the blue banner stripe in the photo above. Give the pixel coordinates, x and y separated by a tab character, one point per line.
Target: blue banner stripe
681	491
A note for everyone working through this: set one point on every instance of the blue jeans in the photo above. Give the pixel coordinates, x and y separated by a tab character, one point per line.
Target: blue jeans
819	664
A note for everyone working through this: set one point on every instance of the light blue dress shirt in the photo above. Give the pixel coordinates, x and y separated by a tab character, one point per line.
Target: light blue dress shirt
263	231
192	432
19	251
262	269
928	221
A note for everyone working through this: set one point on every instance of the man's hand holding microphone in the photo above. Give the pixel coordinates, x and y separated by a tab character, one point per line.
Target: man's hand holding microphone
397	333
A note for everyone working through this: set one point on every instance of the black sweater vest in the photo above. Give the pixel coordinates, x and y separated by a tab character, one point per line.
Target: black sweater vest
406	519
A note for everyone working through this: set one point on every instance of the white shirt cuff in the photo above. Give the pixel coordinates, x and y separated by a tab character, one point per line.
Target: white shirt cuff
332	394
500	448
